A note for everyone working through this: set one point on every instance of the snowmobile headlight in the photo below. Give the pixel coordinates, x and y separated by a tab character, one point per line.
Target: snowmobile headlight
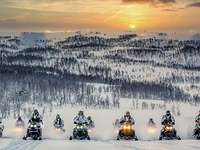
169	127
33	126
124	127
81	127
129	127
151	130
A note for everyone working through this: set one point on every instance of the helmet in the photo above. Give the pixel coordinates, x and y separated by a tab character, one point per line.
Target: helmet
89	118
168	113
19	118
151	119
35	111
80	113
57	116
128	113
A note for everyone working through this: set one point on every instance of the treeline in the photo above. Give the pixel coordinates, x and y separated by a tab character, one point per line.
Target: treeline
17	90
128	88
120	60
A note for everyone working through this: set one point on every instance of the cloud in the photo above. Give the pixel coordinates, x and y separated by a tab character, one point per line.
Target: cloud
170	10
137	1
197	4
149	1
167	1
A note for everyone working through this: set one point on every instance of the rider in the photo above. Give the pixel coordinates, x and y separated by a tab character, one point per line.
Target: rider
36	118
20	122
117	123
197	119
80	118
127	118
197	122
90	122
58	121
168	119
151	122
1	124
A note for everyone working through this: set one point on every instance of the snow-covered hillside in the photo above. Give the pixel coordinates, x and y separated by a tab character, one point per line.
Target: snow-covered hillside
155	66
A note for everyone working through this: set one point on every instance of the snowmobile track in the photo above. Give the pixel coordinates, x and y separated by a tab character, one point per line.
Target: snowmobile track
22	145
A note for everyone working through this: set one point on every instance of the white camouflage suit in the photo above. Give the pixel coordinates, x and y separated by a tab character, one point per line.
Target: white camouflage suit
80	120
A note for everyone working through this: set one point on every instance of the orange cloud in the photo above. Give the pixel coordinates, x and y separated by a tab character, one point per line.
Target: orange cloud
149	1
194	4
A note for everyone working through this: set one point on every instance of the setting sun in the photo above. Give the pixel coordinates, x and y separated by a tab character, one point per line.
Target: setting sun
132	26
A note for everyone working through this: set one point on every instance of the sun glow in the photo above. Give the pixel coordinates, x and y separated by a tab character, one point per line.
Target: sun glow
132	26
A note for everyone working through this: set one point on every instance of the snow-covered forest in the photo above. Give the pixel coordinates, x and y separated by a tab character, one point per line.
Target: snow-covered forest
95	69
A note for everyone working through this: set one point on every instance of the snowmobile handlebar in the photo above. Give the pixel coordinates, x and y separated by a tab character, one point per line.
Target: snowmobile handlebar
125	122
168	123
197	121
82	123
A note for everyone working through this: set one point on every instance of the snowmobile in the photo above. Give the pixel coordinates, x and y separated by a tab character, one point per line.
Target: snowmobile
33	131
197	132
168	133
90	127
80	132
127	132
151	127
1	131
59	128
20	124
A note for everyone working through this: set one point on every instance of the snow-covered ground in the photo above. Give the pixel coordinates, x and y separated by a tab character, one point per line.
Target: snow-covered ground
16	144
104	134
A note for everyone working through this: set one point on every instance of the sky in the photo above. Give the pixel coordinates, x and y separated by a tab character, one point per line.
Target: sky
67	15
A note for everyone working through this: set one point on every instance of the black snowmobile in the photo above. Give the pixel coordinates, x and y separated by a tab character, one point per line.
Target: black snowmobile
169	133
126	132
34	131
80	132
197	132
